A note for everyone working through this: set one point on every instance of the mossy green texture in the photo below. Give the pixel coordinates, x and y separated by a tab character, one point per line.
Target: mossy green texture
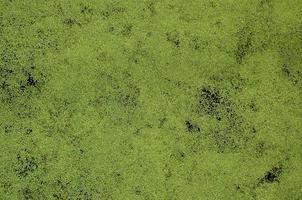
157	99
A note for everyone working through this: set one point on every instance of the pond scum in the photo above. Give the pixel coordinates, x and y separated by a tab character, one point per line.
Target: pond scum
150	99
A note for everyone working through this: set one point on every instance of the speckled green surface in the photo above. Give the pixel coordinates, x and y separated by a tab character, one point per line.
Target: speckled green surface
168	100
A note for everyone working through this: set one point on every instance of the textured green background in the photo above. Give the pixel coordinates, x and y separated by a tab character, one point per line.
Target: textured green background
158	99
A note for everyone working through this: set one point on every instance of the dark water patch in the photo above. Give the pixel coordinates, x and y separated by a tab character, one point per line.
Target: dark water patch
272	175
31	81
8	129
178	155
137	190
28	131
150	8
112	11
26	164
294	76
85	9
191	127
27	194
209	101
196	43
224	141
70	22
231	132
173	37
130	97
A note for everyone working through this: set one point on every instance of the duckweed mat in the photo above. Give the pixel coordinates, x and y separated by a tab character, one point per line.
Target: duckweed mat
151	99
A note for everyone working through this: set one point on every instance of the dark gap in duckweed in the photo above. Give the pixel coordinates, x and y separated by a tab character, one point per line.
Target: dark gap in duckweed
209	101
192	127
260	149
27	111
238	188
138	53
130	99
150	7
16	78
224	141
71	22
47	40
178	155
6	185
5	72
82	194
253	106
272	175
231	132
27	194
8	129
61	189
111	29
174	38
196	43
31	81
26	164
86	10
137	190
28	131
118	177
112	12
285	70
293	76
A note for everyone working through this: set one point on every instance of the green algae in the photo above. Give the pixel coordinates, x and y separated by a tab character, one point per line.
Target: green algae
150	99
